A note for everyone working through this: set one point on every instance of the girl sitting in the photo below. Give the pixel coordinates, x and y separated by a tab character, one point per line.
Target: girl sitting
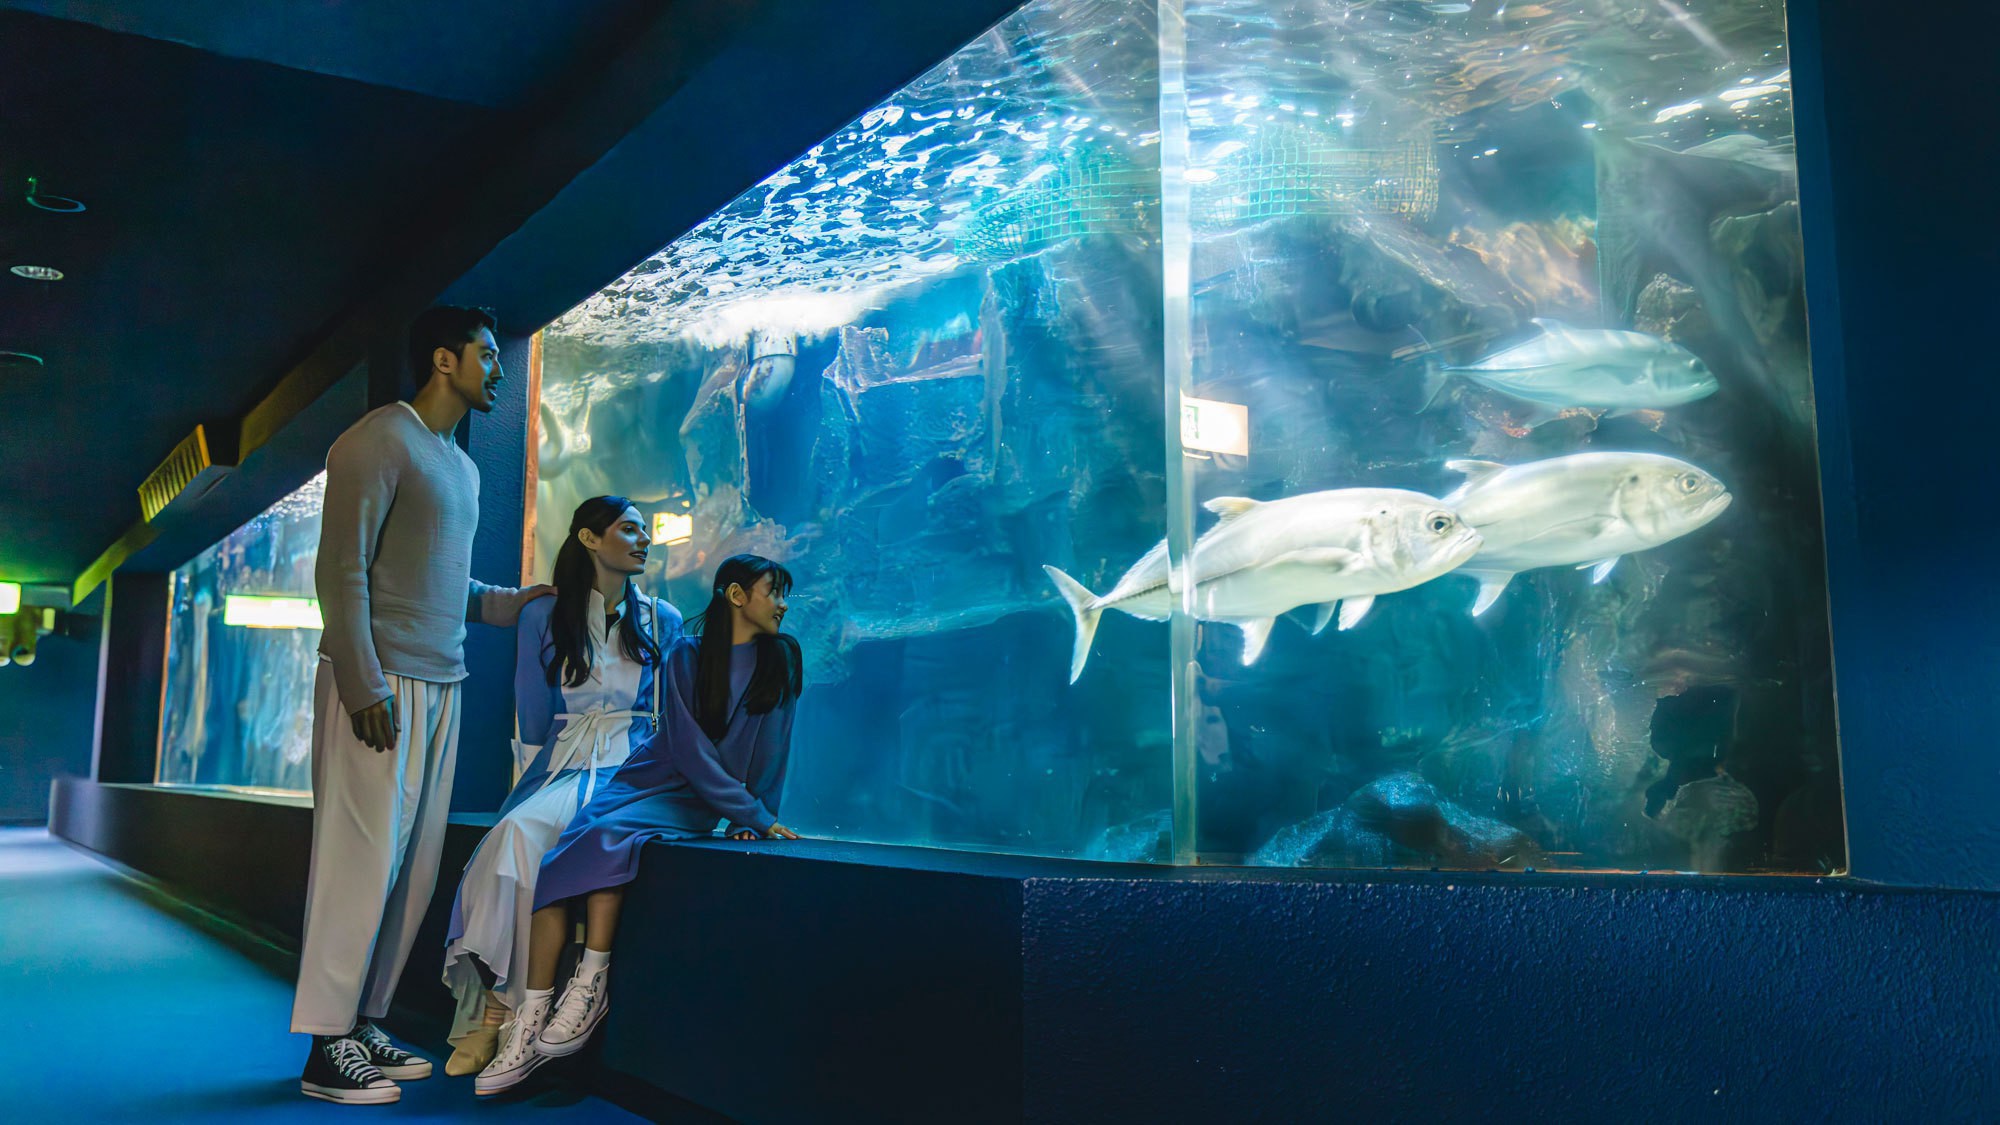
719	753
584	673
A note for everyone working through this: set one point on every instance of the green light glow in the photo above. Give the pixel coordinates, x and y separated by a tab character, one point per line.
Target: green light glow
259	612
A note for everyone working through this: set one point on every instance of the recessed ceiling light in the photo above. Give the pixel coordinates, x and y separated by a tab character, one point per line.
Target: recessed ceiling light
61	204
19	359
37	273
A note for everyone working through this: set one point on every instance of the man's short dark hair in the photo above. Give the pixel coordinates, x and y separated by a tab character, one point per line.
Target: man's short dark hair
444	326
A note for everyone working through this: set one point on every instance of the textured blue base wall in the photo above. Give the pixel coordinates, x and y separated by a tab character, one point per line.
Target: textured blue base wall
1495	999
823	982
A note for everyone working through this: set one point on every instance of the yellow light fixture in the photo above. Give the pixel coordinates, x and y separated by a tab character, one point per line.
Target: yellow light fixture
670	528
256	611
10	597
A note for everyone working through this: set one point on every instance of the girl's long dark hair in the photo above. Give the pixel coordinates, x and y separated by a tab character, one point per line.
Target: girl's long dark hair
780	670
566	660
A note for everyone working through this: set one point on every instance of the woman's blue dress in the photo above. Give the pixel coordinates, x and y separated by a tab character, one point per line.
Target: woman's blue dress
680	784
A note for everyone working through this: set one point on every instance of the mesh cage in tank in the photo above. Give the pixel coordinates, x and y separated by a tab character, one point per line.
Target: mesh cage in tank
1283	171
1300	171
1092	192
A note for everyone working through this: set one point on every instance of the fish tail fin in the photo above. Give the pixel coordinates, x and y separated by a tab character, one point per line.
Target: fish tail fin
1083	604
1436	374
1436	377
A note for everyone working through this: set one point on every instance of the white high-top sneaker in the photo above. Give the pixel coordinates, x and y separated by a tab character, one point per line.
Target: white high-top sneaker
517	1057
576	1015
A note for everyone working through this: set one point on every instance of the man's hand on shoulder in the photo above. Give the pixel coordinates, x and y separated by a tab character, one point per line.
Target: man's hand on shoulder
505	607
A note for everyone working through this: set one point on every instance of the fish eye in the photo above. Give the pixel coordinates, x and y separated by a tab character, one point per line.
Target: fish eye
1441	523
1689	482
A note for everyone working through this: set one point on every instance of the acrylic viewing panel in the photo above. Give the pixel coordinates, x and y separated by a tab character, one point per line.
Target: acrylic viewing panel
242	649
1535	267
1420	387
916	364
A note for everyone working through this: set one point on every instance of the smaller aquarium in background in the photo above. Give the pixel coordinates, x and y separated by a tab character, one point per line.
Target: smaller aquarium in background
242	644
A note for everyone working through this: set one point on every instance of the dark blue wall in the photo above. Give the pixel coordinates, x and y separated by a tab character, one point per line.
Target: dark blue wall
48	712
1896	185
498	444
129	697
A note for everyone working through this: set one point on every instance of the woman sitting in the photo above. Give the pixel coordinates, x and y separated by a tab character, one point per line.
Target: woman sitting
584	690
720	753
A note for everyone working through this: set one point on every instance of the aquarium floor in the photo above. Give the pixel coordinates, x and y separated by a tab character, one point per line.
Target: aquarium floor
119	1003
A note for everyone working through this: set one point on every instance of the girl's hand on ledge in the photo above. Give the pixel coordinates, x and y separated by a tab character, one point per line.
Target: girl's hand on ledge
780	832
744	834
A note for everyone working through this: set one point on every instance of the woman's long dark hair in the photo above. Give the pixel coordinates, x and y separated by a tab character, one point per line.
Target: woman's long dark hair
566	660
780	670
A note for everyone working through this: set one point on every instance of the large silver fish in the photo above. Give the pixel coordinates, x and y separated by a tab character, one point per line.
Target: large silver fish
1598	368
1340	547
1586	510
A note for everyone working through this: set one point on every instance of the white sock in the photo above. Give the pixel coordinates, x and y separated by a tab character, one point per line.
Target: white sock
594	962
535	1004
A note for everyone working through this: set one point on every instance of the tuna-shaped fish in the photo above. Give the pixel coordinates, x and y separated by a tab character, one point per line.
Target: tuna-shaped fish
1335	548
1586	510
1598	368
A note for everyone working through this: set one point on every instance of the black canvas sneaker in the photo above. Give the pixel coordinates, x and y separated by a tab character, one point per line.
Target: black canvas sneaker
391	1060
338	1070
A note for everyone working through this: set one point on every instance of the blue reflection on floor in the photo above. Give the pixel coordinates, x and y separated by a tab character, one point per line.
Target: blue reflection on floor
116	1006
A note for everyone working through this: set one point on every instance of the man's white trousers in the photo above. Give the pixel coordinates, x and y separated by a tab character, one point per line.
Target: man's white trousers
378	830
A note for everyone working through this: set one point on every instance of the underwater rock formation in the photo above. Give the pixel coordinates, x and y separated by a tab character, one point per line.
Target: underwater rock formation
1398	820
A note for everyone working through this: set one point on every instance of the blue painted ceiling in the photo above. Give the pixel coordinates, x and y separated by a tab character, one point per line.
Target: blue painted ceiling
265	180
250	170
495	53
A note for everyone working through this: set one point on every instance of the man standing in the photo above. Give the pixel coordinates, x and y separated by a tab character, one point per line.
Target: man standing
394	577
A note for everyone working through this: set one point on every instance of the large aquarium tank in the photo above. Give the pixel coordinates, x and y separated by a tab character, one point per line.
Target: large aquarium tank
1354	433
242	649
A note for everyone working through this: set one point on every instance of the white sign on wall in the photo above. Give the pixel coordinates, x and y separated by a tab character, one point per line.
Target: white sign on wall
1217	427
